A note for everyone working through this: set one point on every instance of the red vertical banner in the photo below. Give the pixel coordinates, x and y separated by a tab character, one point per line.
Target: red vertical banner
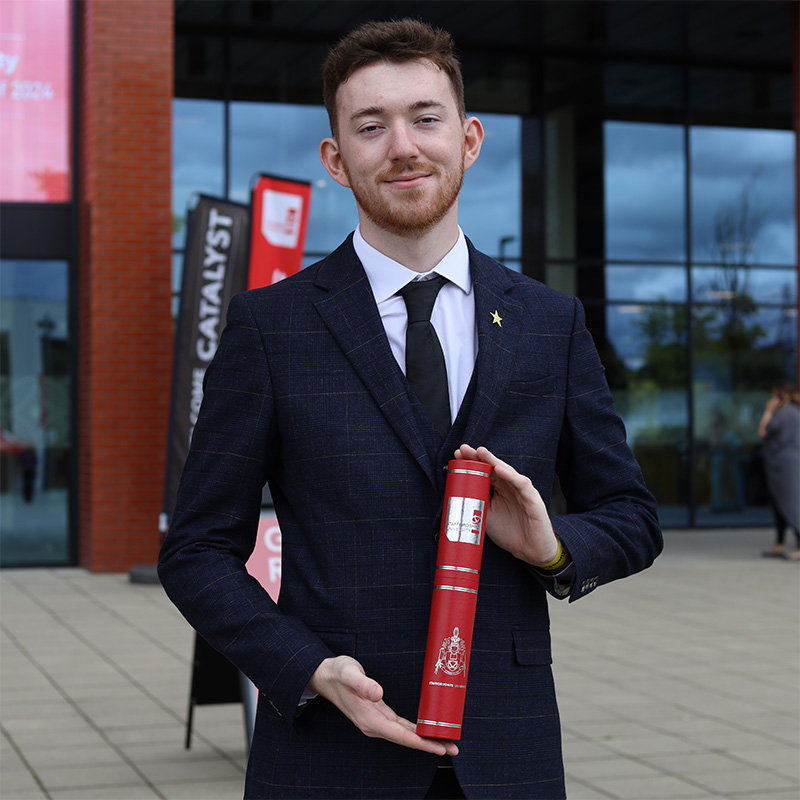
279	219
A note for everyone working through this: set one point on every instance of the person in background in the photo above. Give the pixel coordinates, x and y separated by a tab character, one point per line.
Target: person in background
780	429
27	462
317	389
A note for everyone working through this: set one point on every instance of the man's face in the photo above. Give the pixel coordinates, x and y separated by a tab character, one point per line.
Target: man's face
401	146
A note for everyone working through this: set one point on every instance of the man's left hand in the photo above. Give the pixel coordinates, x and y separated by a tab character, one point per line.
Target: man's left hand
517	519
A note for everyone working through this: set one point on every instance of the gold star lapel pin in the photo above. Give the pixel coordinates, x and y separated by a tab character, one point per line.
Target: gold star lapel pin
497	319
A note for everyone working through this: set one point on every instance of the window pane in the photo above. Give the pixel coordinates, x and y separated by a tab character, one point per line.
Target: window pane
490	205
283	140
744	284
34	413
645	283
198	159
728	471
644	191
743	196
743	347
177	279
739	351
647	366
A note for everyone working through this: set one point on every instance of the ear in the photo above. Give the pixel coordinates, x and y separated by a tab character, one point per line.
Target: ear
331	159
473	139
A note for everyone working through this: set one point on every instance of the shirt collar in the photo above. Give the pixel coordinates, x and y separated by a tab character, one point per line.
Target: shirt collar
387	276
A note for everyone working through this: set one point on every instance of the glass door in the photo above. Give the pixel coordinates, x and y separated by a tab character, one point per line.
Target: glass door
34	413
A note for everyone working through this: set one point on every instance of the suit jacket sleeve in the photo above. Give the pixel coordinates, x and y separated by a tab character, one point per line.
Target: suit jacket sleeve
214	526
611	526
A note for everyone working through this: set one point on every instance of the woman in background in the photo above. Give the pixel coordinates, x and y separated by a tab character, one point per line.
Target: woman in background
780	430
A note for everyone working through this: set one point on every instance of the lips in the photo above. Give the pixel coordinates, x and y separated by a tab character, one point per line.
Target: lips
404	177
409	181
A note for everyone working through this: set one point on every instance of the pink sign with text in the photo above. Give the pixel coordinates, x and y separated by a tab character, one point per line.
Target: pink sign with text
35	75
265	562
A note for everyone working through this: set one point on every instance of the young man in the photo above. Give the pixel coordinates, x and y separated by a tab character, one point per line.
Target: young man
308	392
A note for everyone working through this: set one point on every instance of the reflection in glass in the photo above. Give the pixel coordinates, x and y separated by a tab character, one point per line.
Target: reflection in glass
728	471
745	284
645	283
198	157
34	413
741	346
743	196
743	311
647	367
177	278
645	206
490	205
283	140
740	349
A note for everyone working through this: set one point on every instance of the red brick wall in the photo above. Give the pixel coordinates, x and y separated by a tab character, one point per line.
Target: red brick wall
125	328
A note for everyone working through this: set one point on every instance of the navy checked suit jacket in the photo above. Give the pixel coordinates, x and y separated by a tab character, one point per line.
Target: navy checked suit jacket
304	393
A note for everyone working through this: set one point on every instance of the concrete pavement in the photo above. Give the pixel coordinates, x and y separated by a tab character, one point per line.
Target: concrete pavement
681	682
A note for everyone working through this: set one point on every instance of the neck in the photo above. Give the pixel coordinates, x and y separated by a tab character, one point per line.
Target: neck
419	252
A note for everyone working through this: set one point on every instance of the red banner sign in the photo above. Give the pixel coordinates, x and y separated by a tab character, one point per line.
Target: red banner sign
279	219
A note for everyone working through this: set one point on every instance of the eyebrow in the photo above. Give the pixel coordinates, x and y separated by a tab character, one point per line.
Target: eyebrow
372	111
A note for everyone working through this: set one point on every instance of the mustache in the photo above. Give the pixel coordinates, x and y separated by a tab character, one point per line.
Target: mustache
402	169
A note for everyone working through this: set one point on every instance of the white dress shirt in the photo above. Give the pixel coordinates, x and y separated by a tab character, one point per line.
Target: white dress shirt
453	315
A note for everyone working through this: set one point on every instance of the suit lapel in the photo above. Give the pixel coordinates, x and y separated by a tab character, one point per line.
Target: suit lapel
498	320
349	310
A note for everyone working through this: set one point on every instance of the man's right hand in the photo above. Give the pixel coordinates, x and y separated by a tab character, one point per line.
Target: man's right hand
342	680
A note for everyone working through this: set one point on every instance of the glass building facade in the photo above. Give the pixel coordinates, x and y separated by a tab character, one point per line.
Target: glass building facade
641	156
638	155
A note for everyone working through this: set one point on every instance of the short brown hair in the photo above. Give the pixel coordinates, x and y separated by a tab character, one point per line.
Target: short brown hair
392	42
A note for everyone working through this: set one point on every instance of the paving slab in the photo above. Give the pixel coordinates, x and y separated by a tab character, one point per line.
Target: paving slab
675	684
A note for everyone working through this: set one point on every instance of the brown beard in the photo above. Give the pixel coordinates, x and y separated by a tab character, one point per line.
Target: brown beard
408	215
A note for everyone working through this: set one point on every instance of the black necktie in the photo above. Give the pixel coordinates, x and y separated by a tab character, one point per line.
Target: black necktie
425	367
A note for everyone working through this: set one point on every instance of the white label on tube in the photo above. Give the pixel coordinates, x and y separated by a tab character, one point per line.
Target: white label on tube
464	520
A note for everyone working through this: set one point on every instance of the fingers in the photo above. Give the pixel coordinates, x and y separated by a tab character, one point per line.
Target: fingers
518	520
354	676
372	691
403	732
377	720
480	454
342	680
500	469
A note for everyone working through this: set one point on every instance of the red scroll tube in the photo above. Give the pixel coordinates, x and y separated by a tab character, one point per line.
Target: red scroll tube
455	595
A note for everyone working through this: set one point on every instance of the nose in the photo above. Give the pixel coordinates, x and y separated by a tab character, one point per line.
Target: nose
403	144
